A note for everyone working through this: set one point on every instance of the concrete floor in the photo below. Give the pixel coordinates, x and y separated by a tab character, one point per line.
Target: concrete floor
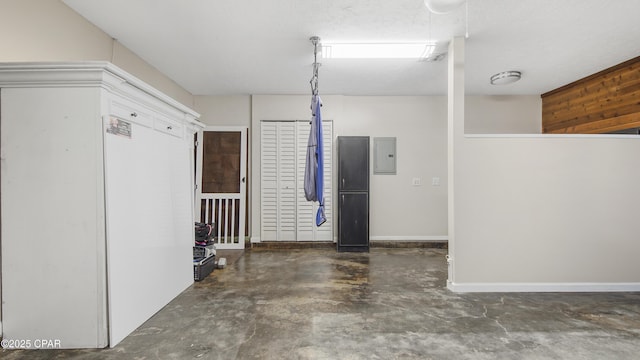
387	304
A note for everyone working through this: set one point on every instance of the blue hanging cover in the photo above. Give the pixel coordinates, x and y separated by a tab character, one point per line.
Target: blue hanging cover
314	167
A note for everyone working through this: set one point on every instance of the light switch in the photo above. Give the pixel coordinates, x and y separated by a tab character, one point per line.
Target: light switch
416	182
435	181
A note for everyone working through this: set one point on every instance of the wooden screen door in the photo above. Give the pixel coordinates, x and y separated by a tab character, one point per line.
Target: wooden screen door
221	183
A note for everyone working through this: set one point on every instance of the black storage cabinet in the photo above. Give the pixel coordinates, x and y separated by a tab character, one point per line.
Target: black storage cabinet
353	193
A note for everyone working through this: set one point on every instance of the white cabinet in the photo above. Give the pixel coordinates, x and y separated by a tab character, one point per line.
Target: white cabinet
97	202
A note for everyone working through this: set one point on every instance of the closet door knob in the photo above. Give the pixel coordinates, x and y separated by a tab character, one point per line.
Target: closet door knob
169	128
134	115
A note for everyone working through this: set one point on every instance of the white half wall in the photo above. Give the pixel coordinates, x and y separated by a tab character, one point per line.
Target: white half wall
541	212
547	209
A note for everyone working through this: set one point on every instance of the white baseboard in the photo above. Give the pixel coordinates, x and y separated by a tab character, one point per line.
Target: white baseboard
410	238
543	287
256	239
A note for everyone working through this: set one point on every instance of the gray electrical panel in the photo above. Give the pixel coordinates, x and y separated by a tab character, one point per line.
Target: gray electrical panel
384	155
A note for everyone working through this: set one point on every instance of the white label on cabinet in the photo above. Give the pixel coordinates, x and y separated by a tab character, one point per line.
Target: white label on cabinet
119	127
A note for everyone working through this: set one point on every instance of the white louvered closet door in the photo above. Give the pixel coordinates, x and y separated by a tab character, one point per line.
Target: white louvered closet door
285	213
325	231
307	229
278	181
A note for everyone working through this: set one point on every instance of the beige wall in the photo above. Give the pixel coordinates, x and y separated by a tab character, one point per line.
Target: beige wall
503	114
224	110
48	30
547	210
420	126
132	63
399	210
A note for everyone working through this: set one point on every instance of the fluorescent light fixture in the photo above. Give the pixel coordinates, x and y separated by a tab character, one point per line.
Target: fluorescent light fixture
412	50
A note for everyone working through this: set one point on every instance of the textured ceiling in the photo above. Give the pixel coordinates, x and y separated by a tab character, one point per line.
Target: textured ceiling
223	47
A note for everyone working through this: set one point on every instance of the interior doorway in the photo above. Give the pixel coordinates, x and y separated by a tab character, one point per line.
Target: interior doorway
221	183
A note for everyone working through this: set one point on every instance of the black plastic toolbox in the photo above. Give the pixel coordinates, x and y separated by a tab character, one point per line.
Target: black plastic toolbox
202	267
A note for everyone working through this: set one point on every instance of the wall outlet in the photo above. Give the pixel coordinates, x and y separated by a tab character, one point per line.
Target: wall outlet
416	182
435	181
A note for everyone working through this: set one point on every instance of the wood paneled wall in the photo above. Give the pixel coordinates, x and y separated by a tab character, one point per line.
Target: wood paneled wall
603	102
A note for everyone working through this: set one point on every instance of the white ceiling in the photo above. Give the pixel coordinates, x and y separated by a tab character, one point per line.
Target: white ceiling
226	47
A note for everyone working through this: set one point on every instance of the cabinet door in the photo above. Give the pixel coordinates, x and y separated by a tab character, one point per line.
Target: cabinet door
353	162
149	224
278	181
353	220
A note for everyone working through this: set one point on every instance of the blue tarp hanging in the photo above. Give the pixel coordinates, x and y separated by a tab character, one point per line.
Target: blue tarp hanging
314	167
